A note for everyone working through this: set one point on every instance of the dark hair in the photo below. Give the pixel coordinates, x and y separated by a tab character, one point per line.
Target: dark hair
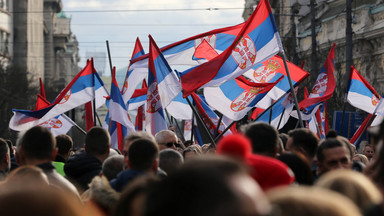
299	166
204	180
328	144
142	153
97	141
264	138
64	144
4	149
306	139
38	142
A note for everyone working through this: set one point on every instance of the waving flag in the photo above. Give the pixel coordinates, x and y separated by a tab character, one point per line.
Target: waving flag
133	77
360	93
167	81
325	83
58	125
236	97
85	87
138	98
209	117
280	112
257	41
322	90
118	114
179	108
269	71
359	132
154	115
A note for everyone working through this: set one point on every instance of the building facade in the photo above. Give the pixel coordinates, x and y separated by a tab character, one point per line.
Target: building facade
293	19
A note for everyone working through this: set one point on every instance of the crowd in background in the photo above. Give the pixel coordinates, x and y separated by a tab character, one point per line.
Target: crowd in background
254	172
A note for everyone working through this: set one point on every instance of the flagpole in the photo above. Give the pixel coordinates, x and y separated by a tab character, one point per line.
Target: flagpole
177	125
293	91
77	126
270	116
218	125
270	107
192	125
201	121
281	118
224	131
345	101
365	128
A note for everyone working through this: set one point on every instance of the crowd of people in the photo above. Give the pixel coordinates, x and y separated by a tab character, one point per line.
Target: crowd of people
256	171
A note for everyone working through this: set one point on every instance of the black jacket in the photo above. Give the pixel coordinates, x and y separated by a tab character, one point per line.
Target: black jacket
81	168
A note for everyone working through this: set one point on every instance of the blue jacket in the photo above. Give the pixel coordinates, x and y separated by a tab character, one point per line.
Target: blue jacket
123	178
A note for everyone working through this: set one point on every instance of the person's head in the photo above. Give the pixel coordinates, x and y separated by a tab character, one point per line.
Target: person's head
64	145
132	199
361	158
166	139
302	141
353	185
112	166
333	154
5	158
40	199
26	176
97	143
188	143
37	145
192	151
170	160
299	166
132	136
303	201
368	151
264	138
143	156
221	185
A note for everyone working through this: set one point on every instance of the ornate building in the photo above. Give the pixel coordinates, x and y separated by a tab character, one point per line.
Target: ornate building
293	18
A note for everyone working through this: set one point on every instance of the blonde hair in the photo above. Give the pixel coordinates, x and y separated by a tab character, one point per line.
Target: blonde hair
303	201
353	185
362	158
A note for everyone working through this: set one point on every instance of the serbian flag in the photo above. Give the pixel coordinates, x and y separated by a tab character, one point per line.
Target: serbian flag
360	93
269	71
154	115
58	125
236	97
257	41
322	90
179	108
168	84
118	113
86	86
279	114
133	78
138	98
208	115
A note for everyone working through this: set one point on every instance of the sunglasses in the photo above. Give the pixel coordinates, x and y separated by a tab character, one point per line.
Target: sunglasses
170	144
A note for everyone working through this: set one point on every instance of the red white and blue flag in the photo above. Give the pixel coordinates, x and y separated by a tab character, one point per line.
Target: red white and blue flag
322	90
138	99
158	71
257	41
280	112
236	97
360	93
269	71
133	77
86	86
120	122
179	108
209	117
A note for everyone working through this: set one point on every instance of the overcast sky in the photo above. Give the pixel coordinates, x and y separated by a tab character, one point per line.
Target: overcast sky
121	21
